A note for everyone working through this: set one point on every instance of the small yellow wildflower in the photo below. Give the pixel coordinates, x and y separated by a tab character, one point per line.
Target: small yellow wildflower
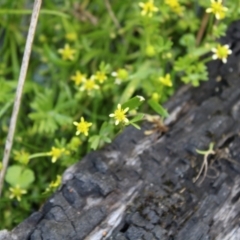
71	36
21	156
67	52
100	76
120	75
174	5
166	80
56	153
82	127
217	8
89	85
119	115
78	78
148	8
54	184
1	166
17	192
221	52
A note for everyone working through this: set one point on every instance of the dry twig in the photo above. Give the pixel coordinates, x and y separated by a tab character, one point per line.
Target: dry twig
21	80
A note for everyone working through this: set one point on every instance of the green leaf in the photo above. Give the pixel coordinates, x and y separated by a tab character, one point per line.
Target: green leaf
106	139
188	40
135	125
143	73
26	178
137	118
104	67
12	175
133	103
94	140
158	108
201	152
19	175
105	128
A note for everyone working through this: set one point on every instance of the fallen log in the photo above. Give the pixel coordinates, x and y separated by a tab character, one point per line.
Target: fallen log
143	186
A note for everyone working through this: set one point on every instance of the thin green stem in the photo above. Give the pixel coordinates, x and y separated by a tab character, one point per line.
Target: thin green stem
36	155
27	12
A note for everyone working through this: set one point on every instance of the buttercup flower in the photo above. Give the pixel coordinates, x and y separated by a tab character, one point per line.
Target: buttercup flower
221	52
54	184
21	156
78	78
89	85
82	127
217	8
100	76
121	75
17	192
174	5
148	8
166	80
67	52
56	153
120	115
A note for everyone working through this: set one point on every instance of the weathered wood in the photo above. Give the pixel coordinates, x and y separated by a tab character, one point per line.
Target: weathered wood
141	187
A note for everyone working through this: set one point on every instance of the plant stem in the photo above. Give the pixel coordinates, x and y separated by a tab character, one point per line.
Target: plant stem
21	80
112	15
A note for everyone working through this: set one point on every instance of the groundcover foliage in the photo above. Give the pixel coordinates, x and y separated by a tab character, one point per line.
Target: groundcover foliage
96	67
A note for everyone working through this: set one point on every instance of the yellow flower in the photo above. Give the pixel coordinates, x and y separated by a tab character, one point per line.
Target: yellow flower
71	36
166	80
82	127
217	8
17	192
56	153
66	52
54	184
100	76
78	78
119	115
120	75
221	52
174	5
148	8
89	85
1	166
21	156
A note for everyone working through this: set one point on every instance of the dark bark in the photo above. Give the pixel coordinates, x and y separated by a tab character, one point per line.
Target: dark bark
141	187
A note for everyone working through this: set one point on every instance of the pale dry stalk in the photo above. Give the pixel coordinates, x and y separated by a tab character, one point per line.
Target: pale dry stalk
21	80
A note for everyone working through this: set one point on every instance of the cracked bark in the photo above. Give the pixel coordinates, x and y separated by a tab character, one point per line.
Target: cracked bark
141	187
